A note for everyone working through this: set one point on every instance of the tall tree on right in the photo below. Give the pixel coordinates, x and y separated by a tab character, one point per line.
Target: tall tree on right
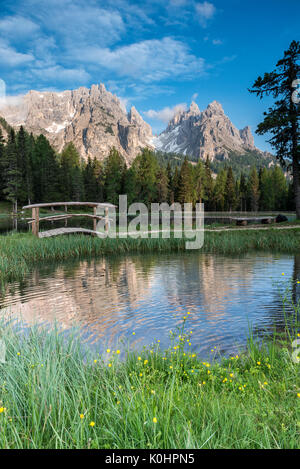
282	120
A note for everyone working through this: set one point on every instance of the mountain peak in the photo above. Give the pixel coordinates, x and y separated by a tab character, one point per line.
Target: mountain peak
215	106
201	134
194	109
92	118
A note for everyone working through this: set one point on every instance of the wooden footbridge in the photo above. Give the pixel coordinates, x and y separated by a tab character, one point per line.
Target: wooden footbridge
36	219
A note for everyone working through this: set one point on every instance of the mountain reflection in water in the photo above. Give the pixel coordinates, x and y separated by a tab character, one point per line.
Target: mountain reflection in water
110	298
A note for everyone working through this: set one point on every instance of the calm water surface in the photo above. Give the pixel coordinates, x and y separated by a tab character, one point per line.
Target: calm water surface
112	297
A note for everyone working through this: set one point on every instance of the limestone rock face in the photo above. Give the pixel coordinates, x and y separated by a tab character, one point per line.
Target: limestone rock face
204	134
93	119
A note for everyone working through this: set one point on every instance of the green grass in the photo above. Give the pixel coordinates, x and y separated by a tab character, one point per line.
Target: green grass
20	252
51	391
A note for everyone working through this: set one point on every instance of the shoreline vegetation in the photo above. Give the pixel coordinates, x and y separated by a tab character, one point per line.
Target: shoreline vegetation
55	394
19	252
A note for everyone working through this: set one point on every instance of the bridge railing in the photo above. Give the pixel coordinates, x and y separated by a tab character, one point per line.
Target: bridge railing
35	219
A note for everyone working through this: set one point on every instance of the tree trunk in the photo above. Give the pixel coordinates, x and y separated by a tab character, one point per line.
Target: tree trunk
296	182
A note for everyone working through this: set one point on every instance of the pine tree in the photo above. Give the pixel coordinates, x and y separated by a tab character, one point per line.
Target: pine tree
253	190
208	186
11	173
280	188
266	190
131	185
162	185
186	189
47	186
146	168
199	181
219	191
25	150
71	182
175	186
243	193
114	168
170	197
282	120
230	196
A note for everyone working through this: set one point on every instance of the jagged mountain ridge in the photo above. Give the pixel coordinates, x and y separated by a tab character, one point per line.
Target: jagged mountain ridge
204	134
93	119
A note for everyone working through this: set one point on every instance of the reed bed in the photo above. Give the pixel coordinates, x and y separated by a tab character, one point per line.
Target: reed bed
19	252
56	394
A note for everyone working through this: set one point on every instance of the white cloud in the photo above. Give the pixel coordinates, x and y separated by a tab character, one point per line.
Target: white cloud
205	11
58	73
165	114
147	61
217	42
195	96
78	23
11	58
7	101
17	26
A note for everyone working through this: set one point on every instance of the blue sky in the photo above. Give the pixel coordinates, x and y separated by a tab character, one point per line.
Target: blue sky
155	55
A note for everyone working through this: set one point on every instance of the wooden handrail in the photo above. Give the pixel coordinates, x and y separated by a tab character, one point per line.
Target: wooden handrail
56	204
35	220
66	216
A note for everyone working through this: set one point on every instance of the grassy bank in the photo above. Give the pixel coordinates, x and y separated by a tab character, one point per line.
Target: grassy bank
19	252
54	395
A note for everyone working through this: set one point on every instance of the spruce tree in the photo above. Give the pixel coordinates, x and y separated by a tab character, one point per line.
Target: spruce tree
114	168
25	150
243	193
186	187
219	191
208	186
230	195
146	168
282	120
11	173
253	190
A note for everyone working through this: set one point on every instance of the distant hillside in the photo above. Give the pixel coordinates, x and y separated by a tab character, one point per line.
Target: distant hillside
240	163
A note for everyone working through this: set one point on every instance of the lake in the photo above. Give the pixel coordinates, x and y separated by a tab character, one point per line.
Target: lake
112	298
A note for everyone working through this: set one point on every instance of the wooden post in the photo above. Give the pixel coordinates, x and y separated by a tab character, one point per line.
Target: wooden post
36	219
95	219
33	222
106	219
37	223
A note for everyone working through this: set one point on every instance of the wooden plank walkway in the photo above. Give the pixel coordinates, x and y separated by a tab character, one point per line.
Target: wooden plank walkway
65	231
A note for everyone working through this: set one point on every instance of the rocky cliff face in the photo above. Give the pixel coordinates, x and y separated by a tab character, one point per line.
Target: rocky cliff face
204	134
93	119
